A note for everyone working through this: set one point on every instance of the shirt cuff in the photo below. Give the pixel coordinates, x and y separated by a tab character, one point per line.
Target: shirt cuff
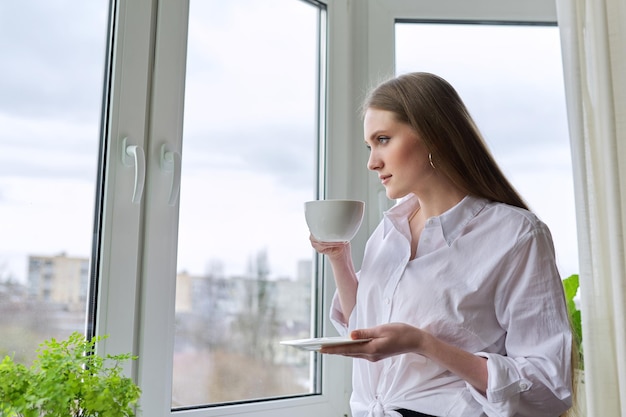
504	387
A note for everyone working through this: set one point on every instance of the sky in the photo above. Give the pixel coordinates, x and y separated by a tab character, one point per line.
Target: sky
50	95
248	149
249	136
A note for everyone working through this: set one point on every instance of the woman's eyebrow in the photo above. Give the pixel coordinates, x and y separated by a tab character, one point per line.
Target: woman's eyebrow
374	135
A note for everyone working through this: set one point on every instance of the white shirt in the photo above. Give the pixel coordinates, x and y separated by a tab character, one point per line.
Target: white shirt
484	279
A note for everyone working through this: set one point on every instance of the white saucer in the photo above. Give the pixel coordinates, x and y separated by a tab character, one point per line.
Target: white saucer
318	342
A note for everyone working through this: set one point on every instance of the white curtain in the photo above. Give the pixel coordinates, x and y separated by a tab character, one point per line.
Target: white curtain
593	34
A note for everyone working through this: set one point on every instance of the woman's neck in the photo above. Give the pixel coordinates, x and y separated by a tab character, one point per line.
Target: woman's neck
436	203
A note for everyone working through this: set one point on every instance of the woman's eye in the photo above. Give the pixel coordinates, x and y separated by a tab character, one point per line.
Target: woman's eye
378	140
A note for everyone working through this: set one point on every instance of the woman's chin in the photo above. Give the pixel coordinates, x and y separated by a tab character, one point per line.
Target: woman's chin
394	195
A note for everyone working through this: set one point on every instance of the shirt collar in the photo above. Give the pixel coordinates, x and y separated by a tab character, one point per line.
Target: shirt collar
452	222
397	216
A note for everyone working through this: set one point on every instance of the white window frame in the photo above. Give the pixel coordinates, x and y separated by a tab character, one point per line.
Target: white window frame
137	288
119	227
156	329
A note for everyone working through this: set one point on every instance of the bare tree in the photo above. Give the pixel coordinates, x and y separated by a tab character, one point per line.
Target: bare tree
256	323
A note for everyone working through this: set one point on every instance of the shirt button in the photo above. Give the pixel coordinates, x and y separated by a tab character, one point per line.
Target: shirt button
523	386
387	301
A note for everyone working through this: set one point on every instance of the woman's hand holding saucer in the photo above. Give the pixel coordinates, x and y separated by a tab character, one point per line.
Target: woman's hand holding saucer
386	340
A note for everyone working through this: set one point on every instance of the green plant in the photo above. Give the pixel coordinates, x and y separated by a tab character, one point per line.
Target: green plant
68	378
571	285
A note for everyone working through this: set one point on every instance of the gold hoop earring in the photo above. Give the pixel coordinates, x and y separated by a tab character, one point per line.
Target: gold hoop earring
430	159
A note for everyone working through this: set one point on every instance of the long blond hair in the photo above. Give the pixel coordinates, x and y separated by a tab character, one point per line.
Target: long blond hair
433	108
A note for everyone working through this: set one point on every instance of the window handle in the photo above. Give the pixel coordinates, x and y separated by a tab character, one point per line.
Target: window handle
133	155
171	163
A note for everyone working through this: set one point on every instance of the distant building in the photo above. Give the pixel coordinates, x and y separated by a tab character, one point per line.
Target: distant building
223	300
59	279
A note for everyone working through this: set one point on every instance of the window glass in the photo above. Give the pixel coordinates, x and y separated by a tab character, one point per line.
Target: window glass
511	79
249	159
50	106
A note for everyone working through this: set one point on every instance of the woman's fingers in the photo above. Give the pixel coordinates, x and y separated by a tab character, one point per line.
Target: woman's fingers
331	249
384	341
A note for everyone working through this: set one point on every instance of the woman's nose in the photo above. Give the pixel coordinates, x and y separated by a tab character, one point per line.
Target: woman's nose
374	162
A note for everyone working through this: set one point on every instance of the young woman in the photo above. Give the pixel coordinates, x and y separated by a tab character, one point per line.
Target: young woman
458	291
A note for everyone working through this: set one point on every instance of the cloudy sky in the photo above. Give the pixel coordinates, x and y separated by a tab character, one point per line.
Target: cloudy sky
50	95
248	149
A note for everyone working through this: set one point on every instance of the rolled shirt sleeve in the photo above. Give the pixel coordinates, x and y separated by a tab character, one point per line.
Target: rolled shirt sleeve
516	389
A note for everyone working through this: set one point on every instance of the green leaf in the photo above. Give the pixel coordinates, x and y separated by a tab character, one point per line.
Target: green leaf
570	285
67	379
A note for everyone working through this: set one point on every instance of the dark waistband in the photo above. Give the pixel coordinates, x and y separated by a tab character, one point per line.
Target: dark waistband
411	413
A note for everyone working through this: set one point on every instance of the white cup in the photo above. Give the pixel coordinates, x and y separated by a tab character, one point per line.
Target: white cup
334	220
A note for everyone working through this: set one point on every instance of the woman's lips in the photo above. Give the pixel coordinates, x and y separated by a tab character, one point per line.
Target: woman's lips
384	179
